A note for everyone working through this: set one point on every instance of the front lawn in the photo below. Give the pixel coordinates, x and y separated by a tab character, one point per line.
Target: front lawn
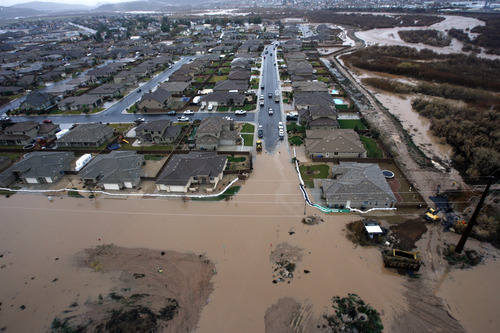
223	109
247	128
236	159
249	107
311	172
296	140
372	150
351	124
295	128
248	139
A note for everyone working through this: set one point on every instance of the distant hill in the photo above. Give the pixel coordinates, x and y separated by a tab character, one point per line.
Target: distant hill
50	6
145	5
7	13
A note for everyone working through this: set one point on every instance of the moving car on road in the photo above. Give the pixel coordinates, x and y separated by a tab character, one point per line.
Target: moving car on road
183	119
270	111
188	113
171	113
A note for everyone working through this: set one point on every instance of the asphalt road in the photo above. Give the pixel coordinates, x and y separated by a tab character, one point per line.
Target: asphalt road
117	112
270	79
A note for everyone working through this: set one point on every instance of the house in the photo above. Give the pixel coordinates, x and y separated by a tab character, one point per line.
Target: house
196	168
341	143
48	131
108	90
231	85
83	103
300	68
239	74
213	132
223	98
305	99
309	86
126	77
43	167
159	99
114	171
319	117
21	133
176	88
242	63
158	131
37	101
357	185
86	135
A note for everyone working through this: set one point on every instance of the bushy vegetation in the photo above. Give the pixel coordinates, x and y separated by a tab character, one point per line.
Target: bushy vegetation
368	21
458	69
352	314
487	229
429	37
473	133
479	98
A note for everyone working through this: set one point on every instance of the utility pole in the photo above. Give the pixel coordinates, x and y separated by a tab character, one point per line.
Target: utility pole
472	221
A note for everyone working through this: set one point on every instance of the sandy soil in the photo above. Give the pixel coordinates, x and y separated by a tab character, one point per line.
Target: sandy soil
41	278
173	286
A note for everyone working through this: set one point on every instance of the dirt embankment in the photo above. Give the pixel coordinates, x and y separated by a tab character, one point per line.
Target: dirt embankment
155	290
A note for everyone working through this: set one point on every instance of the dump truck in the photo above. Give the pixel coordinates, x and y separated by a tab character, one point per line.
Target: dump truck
402	259
259	145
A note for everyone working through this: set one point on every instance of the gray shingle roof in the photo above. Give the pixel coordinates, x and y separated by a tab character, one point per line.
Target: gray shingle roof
43	164
357	181
181	168
92	132
114	168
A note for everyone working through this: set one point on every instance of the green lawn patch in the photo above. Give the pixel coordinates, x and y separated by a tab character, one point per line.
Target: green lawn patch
311	172
296	140
249	107
236	159
351	124
74	194
223	108
323	79
149	157
13	156
218	78
225	196
372	150
248	138
247	128
295	128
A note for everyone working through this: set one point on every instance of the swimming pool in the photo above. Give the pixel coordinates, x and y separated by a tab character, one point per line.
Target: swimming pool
338	101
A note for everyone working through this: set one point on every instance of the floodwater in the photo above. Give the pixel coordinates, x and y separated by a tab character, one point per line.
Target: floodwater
237	235
416	125
390	36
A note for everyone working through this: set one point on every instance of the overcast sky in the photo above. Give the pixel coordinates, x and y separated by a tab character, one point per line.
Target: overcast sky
78	2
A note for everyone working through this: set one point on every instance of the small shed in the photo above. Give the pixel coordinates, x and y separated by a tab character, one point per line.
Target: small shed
372	228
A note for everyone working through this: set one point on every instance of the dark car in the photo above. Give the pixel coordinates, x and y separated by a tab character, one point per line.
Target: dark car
171	113
47	121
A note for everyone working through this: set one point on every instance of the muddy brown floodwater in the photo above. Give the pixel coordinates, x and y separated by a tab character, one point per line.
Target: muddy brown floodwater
40	239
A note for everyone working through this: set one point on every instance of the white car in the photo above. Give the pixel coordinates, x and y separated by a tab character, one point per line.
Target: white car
270	111
240	112
280	126
210	107
227	118
183	119
188	113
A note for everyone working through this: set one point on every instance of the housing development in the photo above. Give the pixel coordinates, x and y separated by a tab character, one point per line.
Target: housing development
251	147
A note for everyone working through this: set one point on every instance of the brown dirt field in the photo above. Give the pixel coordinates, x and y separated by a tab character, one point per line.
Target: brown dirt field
408	233
152	290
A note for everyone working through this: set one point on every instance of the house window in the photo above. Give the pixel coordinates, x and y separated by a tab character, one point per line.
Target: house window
195	178
211	178
336	153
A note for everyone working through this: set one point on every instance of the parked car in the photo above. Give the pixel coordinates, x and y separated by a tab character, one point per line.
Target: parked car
260	132
210	107
188	113
270	95
47	121
183	119
280	126
227	118
140	120
270	111
172	113
240	112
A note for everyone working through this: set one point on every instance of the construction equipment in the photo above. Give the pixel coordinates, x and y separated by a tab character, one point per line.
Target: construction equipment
259	145
402	259
431	215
